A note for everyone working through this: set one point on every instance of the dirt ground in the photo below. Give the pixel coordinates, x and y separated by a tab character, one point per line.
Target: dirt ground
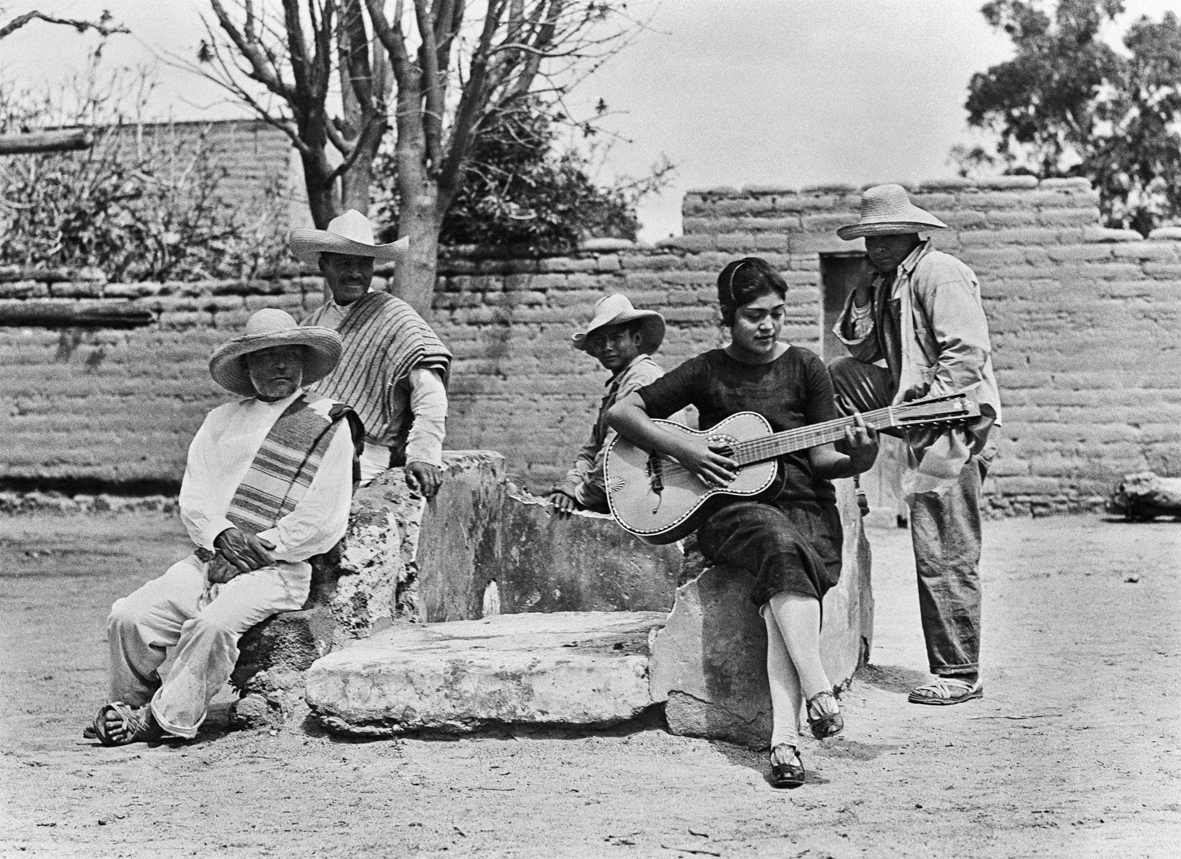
1073	752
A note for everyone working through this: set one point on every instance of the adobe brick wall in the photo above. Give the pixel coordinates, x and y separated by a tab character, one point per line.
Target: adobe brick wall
1083	323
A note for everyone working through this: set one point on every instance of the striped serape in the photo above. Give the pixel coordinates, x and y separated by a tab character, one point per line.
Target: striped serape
286	463
283	468
384	339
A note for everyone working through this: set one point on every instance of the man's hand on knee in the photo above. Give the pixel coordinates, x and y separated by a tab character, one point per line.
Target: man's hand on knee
245	551
424	478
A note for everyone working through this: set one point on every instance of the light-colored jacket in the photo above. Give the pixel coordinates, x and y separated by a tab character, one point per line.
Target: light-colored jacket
944	349
945	342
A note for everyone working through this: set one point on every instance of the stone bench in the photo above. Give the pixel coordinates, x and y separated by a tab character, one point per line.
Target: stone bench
705	662
563	668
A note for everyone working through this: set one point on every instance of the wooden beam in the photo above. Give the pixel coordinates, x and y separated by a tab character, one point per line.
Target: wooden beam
46	141
58	314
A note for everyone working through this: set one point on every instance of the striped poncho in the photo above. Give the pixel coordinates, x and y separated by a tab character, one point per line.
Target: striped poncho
283	469
383	338
285	464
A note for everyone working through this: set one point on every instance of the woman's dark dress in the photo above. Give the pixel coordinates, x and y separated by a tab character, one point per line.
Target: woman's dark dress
793	542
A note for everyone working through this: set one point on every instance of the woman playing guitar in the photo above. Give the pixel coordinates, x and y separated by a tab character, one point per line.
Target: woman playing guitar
791	543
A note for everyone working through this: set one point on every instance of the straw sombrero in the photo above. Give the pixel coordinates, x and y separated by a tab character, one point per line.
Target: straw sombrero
616	309
272	327
350	233
886	210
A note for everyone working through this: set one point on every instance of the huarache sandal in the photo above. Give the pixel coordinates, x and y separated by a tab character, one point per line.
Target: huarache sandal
946	690
787	770
824	716
136	725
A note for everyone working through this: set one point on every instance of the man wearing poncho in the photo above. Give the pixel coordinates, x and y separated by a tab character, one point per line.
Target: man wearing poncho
393	368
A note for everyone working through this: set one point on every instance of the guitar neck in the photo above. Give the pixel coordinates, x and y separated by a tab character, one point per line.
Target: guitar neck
802	438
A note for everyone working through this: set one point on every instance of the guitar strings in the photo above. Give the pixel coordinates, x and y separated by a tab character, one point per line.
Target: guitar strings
768	447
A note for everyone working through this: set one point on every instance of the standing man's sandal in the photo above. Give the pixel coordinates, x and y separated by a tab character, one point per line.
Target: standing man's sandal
946	690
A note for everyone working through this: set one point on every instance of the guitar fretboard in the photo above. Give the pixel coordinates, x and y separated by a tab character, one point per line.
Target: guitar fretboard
813	435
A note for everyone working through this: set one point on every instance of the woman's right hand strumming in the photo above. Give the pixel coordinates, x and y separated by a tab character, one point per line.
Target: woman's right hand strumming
708	462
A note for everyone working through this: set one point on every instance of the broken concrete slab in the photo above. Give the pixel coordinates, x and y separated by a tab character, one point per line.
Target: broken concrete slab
708	664
565	668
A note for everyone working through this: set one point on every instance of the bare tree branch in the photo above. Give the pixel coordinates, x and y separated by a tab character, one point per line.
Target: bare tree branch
471	102
102	26
434	85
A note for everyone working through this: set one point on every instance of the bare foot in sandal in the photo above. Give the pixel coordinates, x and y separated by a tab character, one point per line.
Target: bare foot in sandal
118	724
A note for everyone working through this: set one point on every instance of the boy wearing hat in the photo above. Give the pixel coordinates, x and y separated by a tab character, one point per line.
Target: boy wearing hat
922	315
393	368
267	485
622	339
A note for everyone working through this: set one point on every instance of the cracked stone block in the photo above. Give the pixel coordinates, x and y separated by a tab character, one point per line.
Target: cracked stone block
566	668
545	562
708	664
407	559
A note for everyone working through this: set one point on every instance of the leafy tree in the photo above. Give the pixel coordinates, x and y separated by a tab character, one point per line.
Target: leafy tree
438	74
143	202
1068	104
520	190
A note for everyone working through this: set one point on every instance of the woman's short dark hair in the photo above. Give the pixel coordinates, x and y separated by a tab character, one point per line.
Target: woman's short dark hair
744	280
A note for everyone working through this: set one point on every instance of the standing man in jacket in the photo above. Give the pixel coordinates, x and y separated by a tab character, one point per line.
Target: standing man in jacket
922	316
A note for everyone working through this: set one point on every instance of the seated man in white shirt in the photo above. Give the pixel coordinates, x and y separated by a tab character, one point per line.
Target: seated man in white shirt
267	485
393	368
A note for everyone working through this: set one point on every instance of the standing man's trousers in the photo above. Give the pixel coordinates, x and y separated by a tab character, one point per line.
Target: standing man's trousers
166	614
945	531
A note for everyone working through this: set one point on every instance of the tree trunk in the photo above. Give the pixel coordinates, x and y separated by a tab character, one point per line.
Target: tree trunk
419	218
323	201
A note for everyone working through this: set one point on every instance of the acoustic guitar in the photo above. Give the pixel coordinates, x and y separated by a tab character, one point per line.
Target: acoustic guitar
656	498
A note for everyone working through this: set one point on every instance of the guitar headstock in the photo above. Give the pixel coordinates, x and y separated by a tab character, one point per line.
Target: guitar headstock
935	410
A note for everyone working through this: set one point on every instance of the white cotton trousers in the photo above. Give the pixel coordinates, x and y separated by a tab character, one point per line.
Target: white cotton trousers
165	615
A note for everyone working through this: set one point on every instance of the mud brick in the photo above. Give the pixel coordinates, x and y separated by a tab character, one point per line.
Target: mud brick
1074	185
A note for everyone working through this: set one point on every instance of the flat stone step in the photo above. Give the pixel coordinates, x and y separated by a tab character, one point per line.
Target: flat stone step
564	668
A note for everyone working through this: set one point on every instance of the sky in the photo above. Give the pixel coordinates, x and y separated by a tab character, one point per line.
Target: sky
732	92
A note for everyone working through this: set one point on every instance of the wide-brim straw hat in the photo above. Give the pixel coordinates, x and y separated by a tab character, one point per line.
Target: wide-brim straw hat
350	233
886	210
616	309
272	327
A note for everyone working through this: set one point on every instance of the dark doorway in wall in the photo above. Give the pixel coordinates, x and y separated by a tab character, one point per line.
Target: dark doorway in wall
839	275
